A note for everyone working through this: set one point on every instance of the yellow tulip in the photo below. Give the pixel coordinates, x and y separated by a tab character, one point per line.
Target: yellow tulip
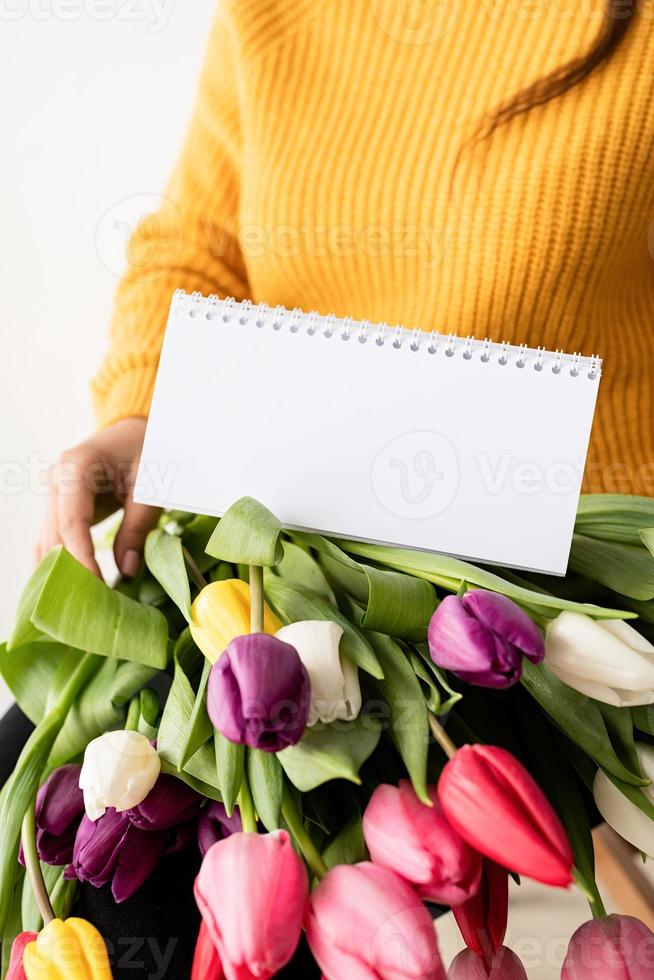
221	612
67	950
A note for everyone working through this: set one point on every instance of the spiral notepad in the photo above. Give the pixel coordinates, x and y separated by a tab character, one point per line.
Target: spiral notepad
371	431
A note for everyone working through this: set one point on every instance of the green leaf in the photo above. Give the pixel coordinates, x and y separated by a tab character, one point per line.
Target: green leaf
348	847
13	923
33	671
578	717
230	764
646	535
21	787
396	604
101	707
201	787
620	726
178	710
434	680
449	573
74	607
626	509
626	569
643	718
407	718
199	728
165	559
24	629
266	785
247	533
634	794
335	751
298	568
194	538
292	605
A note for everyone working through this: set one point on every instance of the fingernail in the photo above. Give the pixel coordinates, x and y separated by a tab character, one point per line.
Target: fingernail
130	563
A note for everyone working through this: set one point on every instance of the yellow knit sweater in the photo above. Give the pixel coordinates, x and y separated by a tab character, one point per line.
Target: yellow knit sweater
319	171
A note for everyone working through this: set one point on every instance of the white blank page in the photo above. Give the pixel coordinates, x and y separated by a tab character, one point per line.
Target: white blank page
368	431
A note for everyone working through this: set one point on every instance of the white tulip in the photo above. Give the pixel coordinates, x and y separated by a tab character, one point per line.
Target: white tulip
605	659
335	691
119	769
625	817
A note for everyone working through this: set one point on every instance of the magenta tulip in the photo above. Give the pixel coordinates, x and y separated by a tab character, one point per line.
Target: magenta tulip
258	693
618	947
482	637
252	891
505	966
215	825
418	843
124	848
59	811
364	922
494	804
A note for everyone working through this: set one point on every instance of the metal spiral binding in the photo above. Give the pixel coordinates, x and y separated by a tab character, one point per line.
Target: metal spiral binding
195	305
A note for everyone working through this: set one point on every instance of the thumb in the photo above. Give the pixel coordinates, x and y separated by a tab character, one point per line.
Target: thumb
138	520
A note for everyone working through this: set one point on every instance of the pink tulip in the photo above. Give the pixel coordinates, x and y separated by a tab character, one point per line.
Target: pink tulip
15	969
206	962
252	891
364	922
618	947
505	966
419	844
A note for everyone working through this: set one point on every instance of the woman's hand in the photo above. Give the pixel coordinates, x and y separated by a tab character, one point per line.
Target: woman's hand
90	482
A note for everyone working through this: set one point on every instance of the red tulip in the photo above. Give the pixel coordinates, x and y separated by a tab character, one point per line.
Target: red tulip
206	962
15	969
618	947
505	966
482	919
252	890
418	843
496	806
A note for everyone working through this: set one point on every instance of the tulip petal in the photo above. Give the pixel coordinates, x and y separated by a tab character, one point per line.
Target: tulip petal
618	947
627	819
457	640
139	855
169	802
335	691
119	770
507	620
607	695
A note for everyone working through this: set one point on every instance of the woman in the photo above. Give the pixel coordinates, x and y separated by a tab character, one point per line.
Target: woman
482	168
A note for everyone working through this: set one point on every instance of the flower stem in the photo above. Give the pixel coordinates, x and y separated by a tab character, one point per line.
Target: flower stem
256	599
133	714
309	850
441	736
33	865
246	807
195	573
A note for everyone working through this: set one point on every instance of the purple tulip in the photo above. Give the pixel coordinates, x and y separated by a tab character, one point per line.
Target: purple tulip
482	636
124	848
59	809
215	825
258	693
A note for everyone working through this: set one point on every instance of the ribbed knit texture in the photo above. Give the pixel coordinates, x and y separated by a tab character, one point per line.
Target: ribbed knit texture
329	166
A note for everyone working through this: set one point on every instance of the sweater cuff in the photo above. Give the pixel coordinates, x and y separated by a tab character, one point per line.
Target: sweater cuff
127	396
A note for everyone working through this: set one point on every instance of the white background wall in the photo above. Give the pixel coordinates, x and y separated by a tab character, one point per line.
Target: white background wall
96	97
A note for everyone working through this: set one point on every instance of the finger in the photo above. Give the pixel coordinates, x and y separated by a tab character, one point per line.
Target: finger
75	509
138	520
49	536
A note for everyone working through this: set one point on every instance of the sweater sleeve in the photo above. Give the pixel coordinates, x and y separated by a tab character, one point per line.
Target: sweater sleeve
190	243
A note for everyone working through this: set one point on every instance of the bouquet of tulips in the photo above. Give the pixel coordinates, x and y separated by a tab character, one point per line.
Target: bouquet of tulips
354	737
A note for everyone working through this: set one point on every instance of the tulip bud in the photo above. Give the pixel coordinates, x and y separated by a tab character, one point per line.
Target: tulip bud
625	817
206	962
221	612
496	806
605	659
418	843
335	691
258	693
15	969
251	891
482	637
618	947
482	919
59	810
505	966
215	825
119	770
365	921
70	950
